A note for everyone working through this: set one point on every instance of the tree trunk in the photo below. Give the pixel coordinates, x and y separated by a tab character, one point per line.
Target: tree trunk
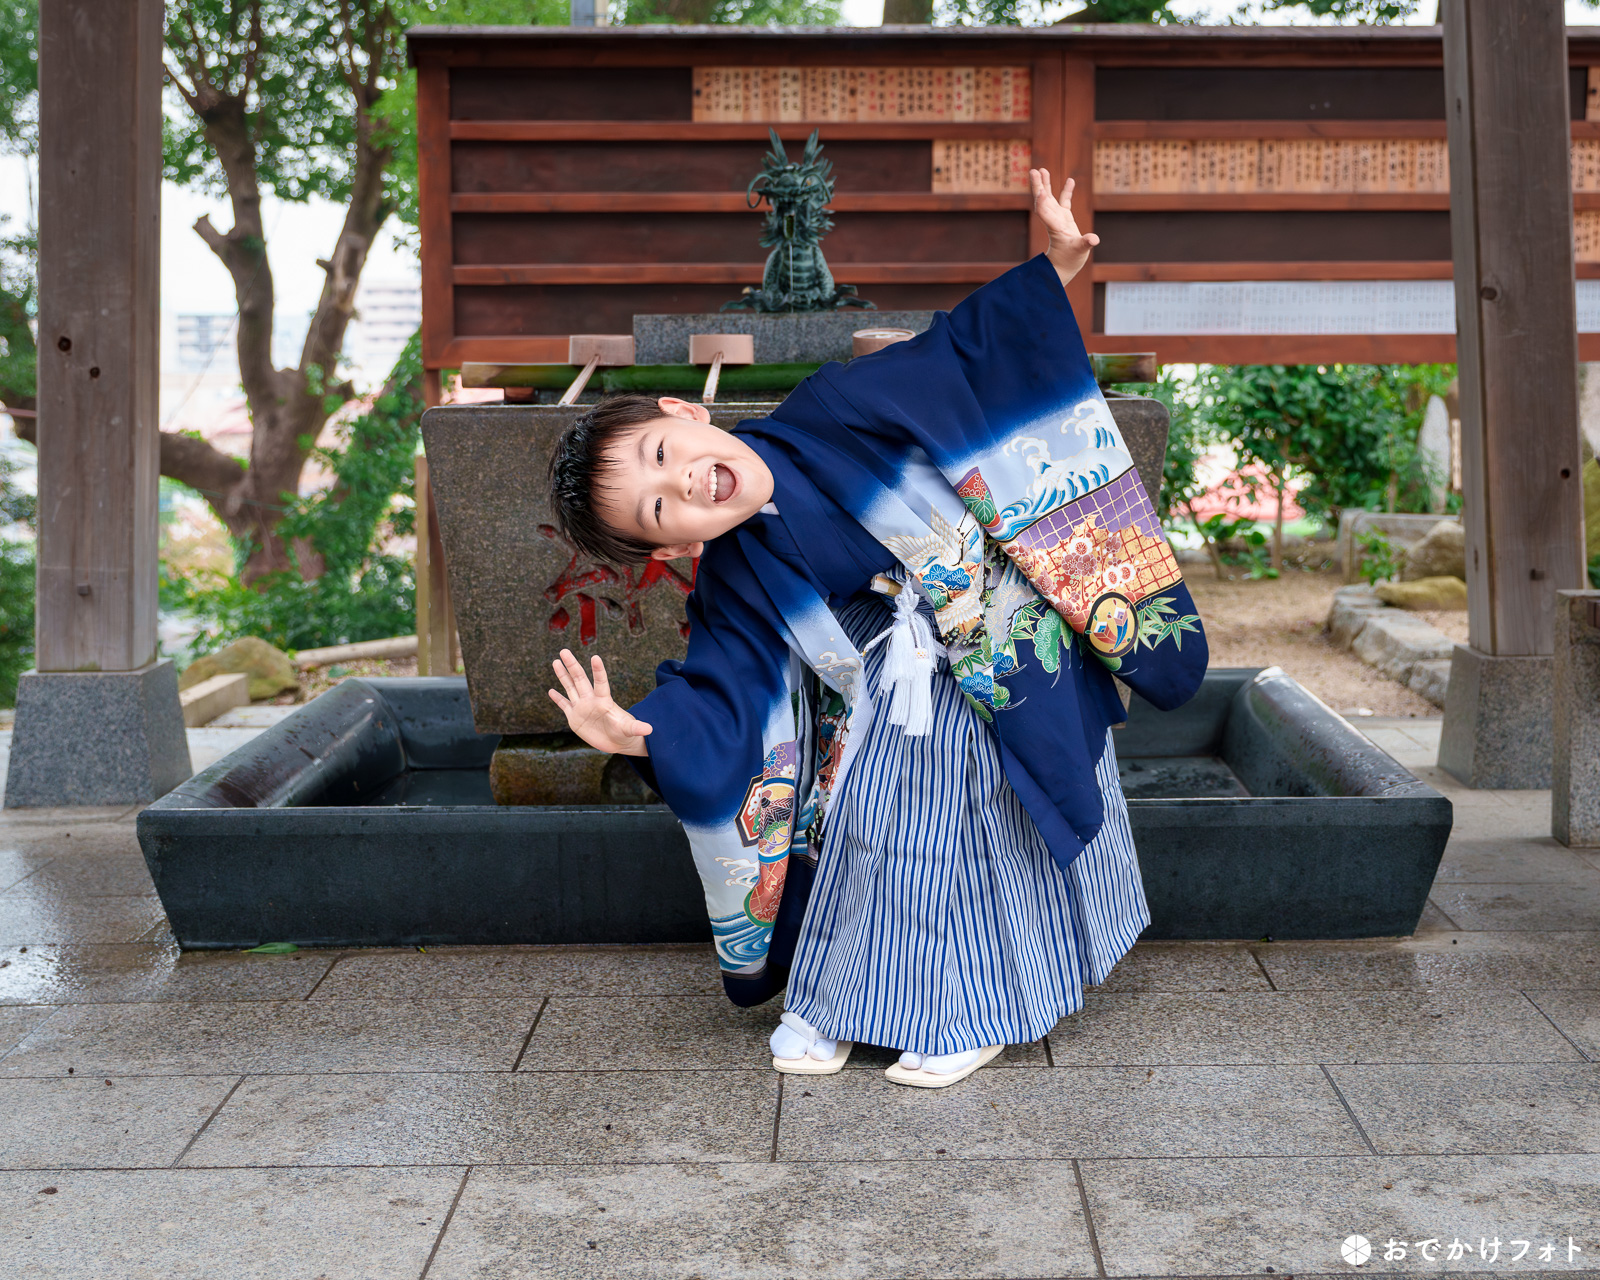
1279	482
288	407
1207	543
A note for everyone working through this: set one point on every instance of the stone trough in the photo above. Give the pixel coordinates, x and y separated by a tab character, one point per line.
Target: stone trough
366	819
432	811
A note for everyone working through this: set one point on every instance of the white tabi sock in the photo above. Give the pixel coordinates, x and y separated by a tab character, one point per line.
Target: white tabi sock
797	1038
939	1064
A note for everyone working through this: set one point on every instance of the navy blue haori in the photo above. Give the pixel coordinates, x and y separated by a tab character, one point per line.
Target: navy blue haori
977	465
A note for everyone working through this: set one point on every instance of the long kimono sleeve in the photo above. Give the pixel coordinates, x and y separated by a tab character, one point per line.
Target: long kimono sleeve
723	755
998	395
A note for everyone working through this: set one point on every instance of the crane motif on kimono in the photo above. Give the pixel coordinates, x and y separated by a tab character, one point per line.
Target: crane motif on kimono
797	192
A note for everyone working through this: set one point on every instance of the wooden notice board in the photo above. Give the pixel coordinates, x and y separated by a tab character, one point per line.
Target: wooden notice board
1261	194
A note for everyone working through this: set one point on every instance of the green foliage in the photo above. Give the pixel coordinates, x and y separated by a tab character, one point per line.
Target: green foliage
295	64
1378	556
1360	11
362	593
16	585
1594	572
746	13
19	304
19	75
1349	430
1122	11
397	107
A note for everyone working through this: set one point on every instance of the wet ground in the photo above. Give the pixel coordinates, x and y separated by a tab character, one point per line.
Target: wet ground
1213	1109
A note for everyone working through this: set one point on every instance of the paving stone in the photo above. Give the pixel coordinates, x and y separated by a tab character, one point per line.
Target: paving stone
1209	1216
1445	1108
16	865
494	1118
1185	966
31	920
1069	1112
1504	961
242	1224
1307	1026
1433	920
70	818
87	876
93	1122
1576	1014
71	839
1520	906
398	1035
140	971
680	1033
99	1040
1513	862
762	1221
17	1023
525	972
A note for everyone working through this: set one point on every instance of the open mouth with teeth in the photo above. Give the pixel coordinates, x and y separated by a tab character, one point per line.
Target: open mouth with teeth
723	484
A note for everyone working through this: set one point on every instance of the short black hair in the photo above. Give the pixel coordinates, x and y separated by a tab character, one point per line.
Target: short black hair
580	461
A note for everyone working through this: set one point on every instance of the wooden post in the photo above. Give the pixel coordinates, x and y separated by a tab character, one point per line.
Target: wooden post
99	326
438	646
1511	232
98	721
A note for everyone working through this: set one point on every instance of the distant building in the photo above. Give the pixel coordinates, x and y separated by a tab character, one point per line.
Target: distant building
388	312
201	338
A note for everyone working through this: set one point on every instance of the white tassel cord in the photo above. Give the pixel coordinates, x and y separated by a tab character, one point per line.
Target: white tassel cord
908	666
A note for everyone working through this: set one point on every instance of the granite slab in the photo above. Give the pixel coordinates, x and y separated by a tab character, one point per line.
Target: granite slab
1540	905
1067	1113
1307	1026
1232	1216
95	1122
1451	1108
988	1220
145	971
243	1224
417	1118
798	337
1487	960
25	920
523	972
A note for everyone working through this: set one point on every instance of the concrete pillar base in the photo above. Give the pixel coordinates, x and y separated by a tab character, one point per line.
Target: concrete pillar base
1575	788
96	738
1497	721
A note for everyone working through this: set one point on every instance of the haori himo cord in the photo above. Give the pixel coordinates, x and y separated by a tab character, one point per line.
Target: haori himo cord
890	740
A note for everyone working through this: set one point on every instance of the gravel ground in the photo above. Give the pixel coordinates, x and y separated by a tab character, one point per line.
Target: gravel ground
1279	621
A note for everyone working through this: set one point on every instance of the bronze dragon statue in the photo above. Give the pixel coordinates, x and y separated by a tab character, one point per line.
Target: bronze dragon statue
797	192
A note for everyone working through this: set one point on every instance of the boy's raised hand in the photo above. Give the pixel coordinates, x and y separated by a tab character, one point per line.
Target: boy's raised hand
1069	247
591	714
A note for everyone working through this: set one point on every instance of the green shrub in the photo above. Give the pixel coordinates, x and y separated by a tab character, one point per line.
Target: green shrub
362	593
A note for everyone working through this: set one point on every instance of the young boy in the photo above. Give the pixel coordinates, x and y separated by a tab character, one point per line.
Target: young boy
924	839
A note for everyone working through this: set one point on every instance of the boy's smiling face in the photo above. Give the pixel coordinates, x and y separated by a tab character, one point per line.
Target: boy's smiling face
678	481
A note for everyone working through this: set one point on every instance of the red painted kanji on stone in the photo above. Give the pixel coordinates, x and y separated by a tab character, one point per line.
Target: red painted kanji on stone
580	582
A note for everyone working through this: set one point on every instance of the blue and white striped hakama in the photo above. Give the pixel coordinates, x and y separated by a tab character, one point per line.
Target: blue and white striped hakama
938	921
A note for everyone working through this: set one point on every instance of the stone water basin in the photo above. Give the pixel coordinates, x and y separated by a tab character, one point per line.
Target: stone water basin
366	819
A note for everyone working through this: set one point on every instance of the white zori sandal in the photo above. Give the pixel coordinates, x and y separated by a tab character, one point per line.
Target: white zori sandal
927	1071
799	1049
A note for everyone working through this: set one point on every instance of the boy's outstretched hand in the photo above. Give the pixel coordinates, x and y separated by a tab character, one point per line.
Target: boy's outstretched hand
591	714
1069	247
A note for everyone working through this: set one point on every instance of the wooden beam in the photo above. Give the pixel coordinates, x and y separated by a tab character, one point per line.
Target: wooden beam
719	273
433	209
728	202
1362	270
99	326
1511	235
1270	201
1077	161
717	131
1247	130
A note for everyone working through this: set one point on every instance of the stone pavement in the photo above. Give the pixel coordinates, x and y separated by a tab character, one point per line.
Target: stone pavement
1214	1109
